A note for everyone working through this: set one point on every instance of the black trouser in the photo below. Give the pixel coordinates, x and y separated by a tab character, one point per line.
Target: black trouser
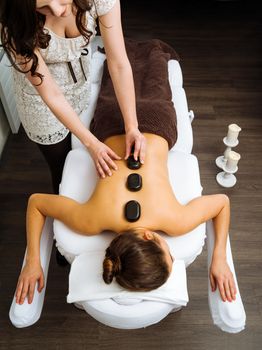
55	156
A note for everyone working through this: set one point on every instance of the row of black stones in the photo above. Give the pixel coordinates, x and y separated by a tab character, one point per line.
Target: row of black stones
134	183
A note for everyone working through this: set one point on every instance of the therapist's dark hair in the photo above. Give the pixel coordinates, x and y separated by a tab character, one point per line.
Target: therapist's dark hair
22	30
137	264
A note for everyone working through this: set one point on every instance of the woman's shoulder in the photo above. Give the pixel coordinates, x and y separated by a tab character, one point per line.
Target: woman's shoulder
101	7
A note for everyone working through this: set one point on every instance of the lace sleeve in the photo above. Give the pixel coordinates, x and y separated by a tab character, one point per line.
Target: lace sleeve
101	7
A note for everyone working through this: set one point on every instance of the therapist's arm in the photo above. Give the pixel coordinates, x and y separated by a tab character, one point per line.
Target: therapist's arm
40	206
122	78
54	98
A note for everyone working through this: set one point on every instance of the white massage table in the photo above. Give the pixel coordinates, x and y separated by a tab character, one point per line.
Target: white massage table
79	178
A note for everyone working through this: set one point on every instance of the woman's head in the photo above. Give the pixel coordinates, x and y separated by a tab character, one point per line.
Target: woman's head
22	26
56	8
139	260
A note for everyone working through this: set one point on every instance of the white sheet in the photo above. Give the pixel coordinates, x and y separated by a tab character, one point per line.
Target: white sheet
86	283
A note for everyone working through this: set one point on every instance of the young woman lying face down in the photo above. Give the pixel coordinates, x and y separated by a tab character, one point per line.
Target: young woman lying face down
138	257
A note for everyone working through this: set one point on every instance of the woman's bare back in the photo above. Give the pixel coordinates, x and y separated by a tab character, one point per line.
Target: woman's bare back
156	197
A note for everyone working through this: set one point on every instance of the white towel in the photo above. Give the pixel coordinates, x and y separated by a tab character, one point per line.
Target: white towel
86	283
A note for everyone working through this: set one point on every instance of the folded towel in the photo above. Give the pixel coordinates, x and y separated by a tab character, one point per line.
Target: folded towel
155	109
86	283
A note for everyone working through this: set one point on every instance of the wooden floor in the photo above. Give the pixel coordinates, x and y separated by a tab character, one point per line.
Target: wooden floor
221	53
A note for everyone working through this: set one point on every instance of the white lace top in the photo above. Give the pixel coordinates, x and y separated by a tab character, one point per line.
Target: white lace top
38	121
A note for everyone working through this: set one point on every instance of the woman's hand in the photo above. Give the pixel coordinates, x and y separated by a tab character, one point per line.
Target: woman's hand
134	137
221	276
30	275
103	157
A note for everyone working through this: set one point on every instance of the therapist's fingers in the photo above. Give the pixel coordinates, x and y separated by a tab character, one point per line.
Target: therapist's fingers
137	149
100	170
142	152
105	162
128	149
113	154
110	162
105	167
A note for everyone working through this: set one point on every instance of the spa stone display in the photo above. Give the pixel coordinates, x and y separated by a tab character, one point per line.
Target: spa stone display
228	162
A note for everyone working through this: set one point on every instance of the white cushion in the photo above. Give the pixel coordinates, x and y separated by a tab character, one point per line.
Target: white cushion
175	74
135	316
184	142
86	283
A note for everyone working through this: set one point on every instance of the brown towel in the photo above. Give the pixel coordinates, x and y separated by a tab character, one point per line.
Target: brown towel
155	110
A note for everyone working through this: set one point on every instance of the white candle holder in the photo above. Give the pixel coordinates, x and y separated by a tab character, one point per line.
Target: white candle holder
226	178
221	160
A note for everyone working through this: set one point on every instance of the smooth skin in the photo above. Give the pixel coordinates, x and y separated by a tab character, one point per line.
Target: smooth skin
160	212
60	18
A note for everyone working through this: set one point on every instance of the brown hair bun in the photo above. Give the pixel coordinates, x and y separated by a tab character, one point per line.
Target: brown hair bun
111	268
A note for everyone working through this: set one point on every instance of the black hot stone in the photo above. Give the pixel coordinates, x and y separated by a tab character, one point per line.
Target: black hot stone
134	182
132	163
132	211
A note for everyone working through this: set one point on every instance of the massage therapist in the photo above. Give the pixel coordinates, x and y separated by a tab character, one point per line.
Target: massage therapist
47	43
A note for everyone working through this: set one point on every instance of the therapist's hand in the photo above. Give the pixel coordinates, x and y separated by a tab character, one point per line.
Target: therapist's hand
103	157
134	137
30	275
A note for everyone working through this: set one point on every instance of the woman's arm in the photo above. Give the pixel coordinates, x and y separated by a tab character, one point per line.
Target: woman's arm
122	77
65	209
53	97
70	212
198	211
